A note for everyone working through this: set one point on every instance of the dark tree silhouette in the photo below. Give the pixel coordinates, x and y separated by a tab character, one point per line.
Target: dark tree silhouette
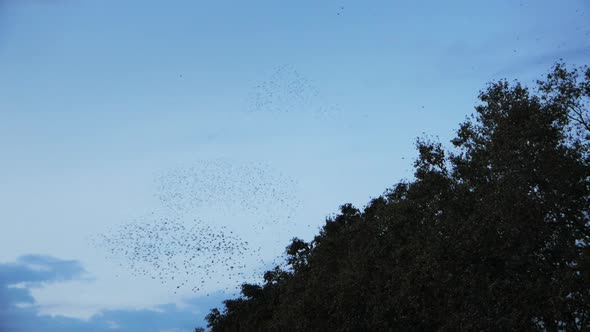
491	234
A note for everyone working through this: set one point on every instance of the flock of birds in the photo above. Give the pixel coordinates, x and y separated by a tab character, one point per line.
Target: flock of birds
286	90
173	247
216	217
234	188
172	251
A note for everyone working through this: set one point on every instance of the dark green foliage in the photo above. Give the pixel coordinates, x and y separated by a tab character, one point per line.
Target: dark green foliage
492	234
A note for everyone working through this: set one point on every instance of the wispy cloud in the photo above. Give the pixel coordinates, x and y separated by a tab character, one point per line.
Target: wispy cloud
40	268
15	278
19	311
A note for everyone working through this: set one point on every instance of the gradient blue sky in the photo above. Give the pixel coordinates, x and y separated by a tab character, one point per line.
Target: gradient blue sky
96	97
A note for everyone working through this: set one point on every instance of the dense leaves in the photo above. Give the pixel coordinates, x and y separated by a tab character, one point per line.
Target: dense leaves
491	234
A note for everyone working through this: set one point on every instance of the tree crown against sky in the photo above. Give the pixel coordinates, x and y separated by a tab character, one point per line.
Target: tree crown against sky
492	233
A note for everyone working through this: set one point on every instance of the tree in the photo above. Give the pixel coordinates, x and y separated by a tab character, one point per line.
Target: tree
492	233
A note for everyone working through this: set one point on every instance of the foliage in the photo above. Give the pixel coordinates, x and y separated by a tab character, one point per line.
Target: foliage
491	234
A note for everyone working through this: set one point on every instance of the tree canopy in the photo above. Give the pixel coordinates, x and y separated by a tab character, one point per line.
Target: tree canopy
492	233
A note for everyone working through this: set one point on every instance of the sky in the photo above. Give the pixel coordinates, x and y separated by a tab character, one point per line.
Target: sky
104	103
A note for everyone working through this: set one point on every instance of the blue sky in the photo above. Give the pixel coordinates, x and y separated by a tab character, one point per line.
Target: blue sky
99	97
